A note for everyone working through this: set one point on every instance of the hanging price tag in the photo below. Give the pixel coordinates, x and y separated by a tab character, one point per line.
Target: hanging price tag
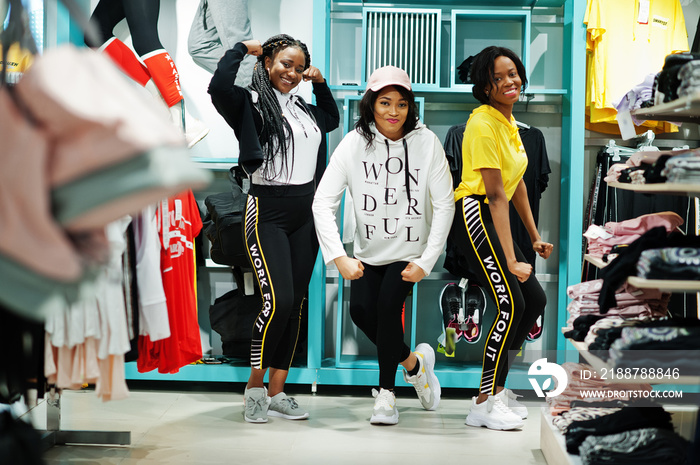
644	6
624	121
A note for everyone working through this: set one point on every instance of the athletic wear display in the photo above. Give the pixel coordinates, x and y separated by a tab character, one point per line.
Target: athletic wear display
425	382
462	309
149	63
286	407
474	308
493	414
256	404
452	308
384	411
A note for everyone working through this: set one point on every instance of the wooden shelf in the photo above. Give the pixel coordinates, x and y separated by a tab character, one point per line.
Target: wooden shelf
683	110
661	188
598	262
601	366
666	285
553	444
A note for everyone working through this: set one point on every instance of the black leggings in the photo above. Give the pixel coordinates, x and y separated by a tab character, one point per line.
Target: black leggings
282	246
376	301
141	16
519	304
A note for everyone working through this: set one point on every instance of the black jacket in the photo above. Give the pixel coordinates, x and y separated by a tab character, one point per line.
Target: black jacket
236	105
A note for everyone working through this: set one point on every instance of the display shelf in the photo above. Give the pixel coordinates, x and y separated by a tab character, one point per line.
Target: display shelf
223	164
598	262
665	285
661	188
553	444
683	110
601	366
478	3
363	373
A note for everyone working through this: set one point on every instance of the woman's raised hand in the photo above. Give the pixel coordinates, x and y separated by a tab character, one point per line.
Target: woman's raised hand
254	47
312	74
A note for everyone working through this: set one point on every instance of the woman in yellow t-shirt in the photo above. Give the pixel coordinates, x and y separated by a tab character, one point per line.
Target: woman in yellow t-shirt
493	164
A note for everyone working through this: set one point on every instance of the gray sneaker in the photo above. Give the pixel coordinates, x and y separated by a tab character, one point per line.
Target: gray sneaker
256	403
385	411
425	382
286	407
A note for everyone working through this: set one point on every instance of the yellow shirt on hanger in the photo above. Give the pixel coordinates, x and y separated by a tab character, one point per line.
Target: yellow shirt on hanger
490	141
624	48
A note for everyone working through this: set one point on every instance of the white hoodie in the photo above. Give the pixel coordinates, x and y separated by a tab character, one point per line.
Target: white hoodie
390	226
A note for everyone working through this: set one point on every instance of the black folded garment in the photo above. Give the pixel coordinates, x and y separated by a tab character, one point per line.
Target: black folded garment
635	447
582	325
626	419
667	81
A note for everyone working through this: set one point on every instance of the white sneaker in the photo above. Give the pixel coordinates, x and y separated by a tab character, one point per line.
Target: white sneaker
493	414
510	399
385	412
425	382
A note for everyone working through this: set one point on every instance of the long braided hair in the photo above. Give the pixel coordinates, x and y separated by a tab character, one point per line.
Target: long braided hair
276	128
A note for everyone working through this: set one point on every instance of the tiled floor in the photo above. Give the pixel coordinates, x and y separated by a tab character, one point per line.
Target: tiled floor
208	428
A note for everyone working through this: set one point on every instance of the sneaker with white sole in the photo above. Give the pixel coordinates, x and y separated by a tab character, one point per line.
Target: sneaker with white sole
385	411
510	398
425	382
493	414
286	407
256	403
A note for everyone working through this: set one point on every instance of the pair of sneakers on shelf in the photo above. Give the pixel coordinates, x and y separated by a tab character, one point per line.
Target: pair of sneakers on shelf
462	306
502	411
424	382
258	406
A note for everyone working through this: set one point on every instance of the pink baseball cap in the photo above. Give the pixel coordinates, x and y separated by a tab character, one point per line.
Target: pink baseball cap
388	76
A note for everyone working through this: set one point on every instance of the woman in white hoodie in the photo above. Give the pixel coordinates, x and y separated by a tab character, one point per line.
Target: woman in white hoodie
395	170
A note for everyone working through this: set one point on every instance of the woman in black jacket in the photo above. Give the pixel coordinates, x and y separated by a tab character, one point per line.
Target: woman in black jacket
283	150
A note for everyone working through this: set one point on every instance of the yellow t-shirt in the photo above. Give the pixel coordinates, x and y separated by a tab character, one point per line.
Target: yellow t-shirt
18	61
490	141
624	51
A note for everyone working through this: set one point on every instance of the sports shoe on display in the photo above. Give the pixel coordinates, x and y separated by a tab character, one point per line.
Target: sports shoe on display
451	306
493	414
385	411
286	407
474	305
536	330
256	403
425	382
510	398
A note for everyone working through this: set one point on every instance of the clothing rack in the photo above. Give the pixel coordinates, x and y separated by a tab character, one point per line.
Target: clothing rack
54	435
